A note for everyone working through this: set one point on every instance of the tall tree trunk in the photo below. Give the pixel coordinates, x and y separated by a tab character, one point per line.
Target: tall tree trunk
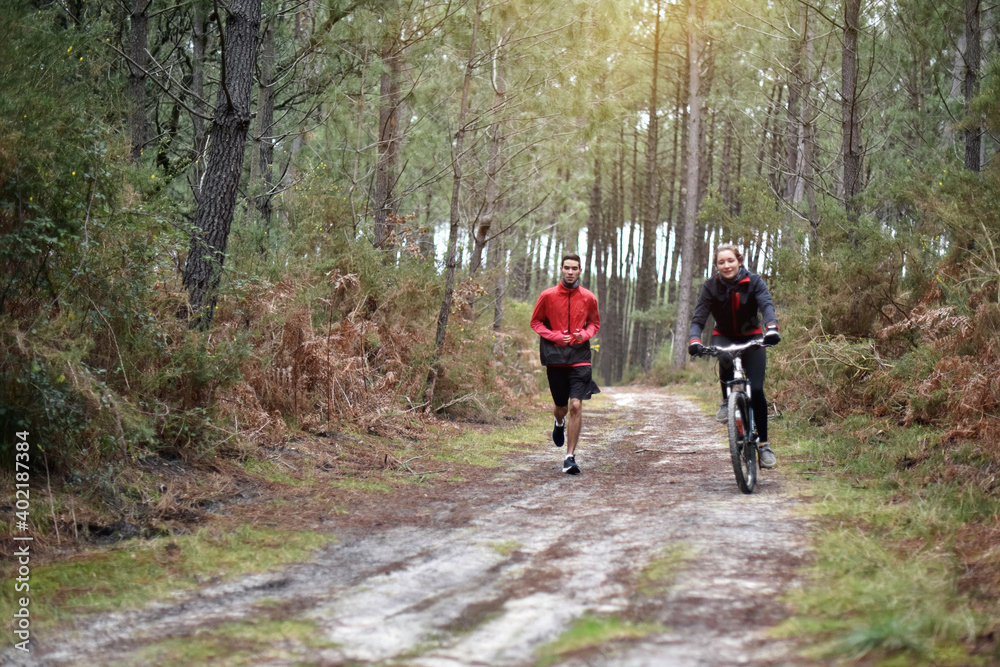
737	203
588	259
230	127
615	341
426	237
602	275
973	60
793	139
594	225
496	262
725	169
385	203
199	141
303	29
682	118
451	263
496	140
612	229
545	263
262	158
694	43
705	151
792	143
809	116
138	65
667	288
167	133
774	158
628	290
793	121
626	293
809	172
766	133
646	282
851	116
522	269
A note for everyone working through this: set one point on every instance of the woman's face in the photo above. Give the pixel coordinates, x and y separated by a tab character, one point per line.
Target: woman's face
727	264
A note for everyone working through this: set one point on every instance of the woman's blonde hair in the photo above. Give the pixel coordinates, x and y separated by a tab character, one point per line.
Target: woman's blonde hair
731	248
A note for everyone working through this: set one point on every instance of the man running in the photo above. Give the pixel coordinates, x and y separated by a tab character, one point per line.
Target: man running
566	318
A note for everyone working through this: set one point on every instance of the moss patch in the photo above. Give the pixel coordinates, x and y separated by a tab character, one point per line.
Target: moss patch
134	572
659	575
506	548
489	448
590	631
247	643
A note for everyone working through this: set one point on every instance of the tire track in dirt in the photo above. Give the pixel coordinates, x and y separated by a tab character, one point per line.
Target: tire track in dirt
489	571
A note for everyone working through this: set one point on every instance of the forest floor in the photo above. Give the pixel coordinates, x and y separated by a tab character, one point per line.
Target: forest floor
651	556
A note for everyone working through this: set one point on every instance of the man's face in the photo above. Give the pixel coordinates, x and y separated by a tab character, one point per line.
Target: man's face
570	271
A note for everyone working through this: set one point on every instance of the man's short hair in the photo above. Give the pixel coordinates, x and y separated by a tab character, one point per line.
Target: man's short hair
572	256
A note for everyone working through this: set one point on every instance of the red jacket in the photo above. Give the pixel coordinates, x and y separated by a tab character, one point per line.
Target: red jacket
562	310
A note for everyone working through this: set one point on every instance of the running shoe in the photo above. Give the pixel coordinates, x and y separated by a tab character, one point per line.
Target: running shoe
767	459
570	467
559	434
722	415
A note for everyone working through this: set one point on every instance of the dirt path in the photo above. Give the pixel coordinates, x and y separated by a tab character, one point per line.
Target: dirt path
487	573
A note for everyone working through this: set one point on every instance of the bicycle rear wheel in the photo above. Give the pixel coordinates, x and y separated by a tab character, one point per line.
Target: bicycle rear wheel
741	446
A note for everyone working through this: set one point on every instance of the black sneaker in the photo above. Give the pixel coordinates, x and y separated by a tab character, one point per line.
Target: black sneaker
559	434
722	415
570	467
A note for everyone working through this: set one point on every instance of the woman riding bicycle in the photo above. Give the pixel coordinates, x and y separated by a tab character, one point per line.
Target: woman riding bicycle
733	296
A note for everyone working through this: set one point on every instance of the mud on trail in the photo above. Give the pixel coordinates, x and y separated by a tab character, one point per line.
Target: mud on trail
490	571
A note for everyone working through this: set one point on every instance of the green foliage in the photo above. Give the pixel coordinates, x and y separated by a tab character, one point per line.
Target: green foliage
858	281
54	160
985	111
758	213
36	394
660	316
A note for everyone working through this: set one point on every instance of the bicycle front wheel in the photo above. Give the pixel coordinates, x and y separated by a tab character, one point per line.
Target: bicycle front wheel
741	446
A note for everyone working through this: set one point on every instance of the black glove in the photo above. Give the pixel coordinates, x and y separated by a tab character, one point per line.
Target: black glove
771	335
695	348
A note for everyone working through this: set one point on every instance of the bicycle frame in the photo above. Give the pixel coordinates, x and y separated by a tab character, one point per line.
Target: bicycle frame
739	382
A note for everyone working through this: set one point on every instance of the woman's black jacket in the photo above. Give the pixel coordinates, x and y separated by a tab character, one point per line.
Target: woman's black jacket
734	305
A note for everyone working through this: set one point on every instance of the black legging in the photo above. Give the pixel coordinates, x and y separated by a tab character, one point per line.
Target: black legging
755	364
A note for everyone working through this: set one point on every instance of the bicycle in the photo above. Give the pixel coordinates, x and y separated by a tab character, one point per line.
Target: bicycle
742	435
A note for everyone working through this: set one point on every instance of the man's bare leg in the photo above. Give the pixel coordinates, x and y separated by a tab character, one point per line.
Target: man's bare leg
560	413
573	423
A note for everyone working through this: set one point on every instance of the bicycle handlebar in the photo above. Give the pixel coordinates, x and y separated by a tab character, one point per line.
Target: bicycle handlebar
735	350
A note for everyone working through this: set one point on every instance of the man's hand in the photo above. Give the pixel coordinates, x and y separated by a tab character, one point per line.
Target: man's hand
771	335
567	338
695	348
578	336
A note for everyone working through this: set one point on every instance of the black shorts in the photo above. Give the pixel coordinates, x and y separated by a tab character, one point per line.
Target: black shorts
566	382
